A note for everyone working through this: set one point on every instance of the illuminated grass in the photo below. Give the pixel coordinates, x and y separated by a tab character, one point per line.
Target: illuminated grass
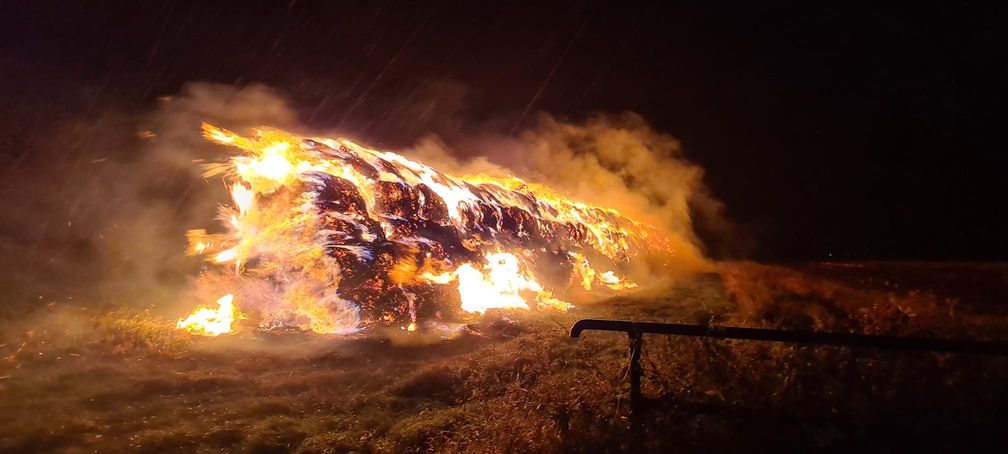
128	381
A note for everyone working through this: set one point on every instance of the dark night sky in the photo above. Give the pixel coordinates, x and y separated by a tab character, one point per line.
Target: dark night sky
862	132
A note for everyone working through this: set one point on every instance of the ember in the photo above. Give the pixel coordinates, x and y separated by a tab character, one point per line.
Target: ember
327	235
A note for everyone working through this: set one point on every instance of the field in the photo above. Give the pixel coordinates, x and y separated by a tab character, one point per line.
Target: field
84	379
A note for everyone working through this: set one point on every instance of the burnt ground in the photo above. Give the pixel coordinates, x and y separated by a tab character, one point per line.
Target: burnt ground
88	380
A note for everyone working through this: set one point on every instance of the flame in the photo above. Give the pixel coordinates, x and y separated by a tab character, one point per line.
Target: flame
209	322
499	284
243	197
334	235
587	276
226	255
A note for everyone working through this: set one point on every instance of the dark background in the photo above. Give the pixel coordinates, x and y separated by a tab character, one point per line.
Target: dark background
840	131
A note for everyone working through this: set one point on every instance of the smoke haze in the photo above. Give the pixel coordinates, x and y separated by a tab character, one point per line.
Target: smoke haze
100	206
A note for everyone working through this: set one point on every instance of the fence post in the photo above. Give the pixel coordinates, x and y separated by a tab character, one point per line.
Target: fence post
636	344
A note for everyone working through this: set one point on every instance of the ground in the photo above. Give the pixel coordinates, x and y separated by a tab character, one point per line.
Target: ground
89	380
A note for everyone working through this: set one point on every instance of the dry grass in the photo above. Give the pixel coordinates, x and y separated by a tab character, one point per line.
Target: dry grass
126	381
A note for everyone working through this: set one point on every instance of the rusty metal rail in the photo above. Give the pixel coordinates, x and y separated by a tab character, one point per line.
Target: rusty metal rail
636	331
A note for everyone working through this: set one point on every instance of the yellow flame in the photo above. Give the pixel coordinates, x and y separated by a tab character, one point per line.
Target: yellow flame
210	322
499	284
272	164
588	276
226	255
243	197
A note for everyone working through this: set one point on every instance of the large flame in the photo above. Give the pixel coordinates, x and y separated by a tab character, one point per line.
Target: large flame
327	235
499	285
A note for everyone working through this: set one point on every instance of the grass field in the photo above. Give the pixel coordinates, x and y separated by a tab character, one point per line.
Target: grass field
88	380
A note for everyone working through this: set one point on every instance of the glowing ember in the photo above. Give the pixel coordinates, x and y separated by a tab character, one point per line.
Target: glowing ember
211	322
326	235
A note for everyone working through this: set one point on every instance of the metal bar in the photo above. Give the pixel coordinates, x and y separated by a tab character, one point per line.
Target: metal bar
796	337
636	330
